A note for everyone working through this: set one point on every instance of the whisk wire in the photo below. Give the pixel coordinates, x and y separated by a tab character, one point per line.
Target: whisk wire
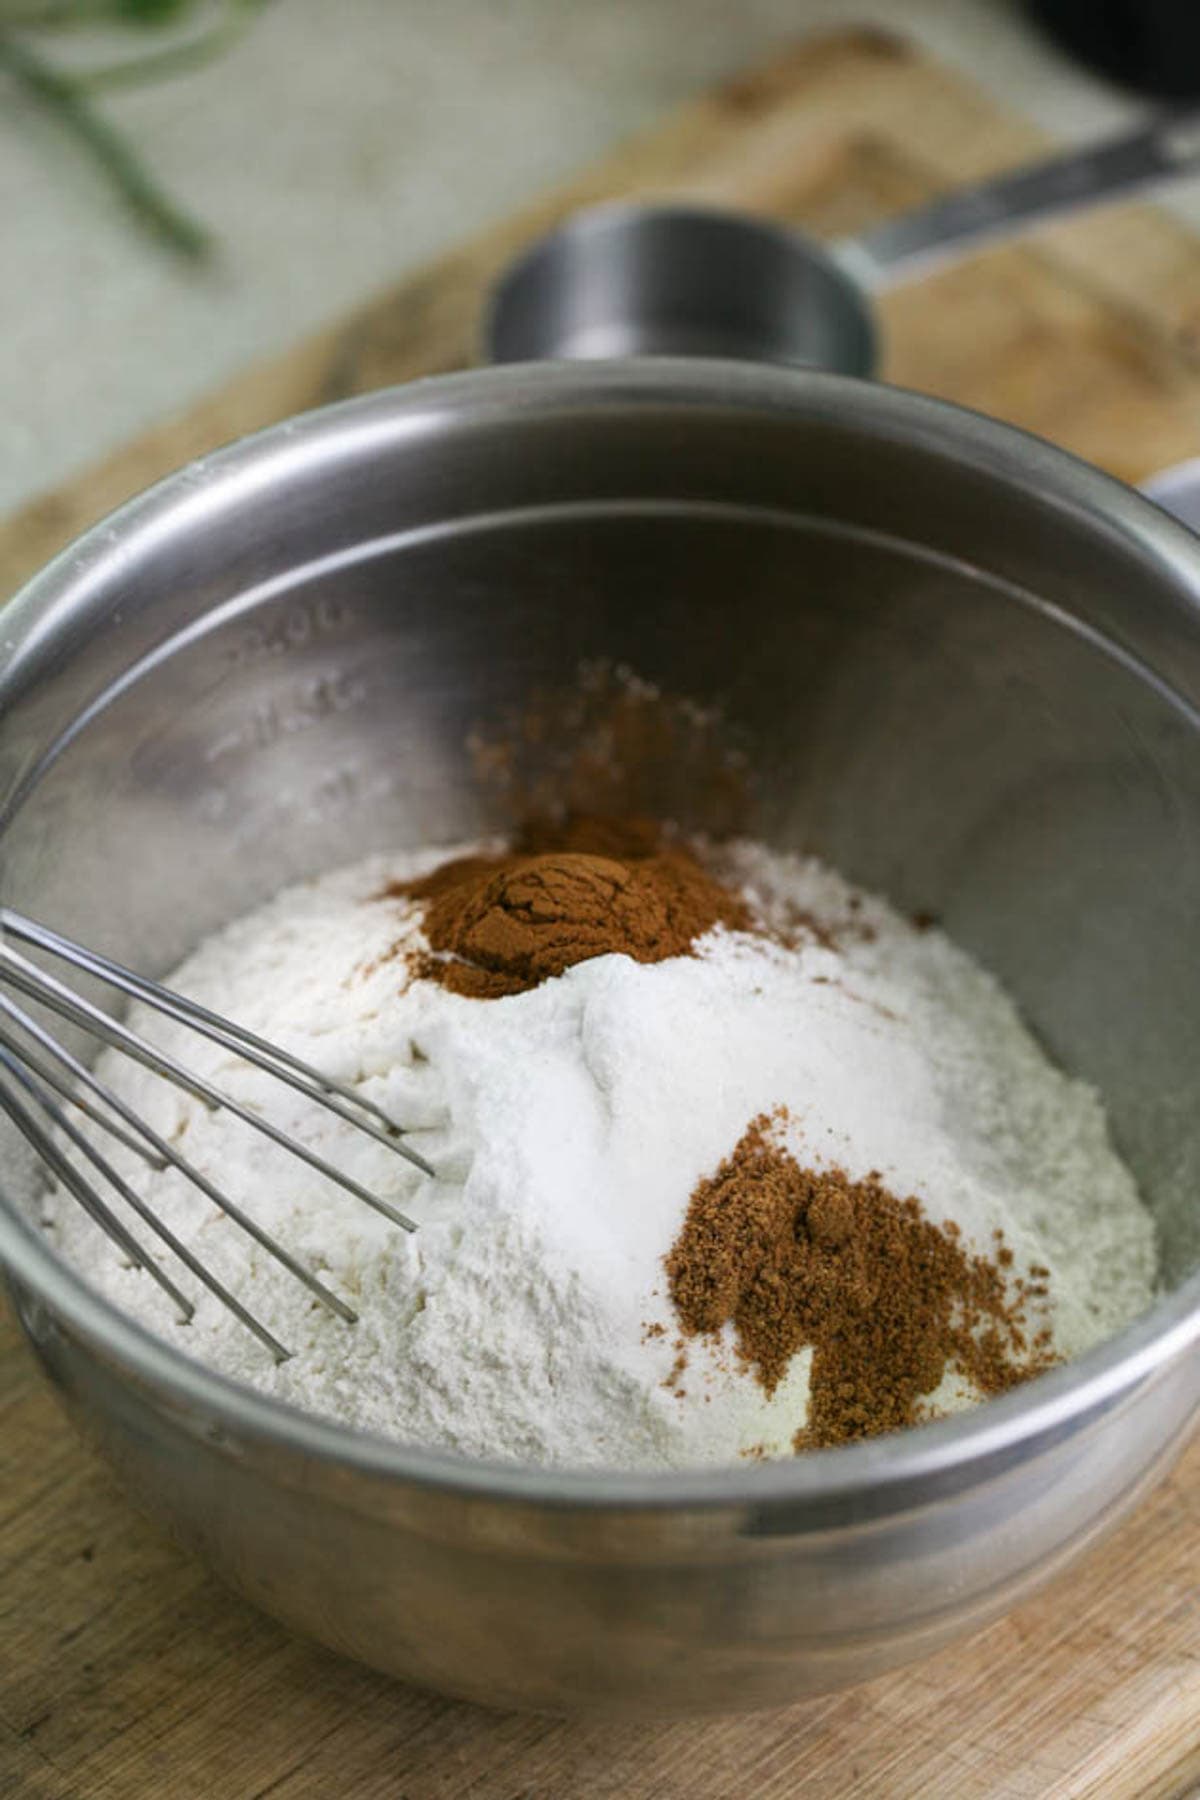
335	1095
27	1075
48	1075
105	1218
39	984
187	1169
69	1175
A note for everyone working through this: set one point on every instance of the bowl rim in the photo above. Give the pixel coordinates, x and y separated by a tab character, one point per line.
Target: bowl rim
883	1470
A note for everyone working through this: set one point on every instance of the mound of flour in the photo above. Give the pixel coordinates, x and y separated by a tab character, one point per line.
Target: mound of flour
568	1127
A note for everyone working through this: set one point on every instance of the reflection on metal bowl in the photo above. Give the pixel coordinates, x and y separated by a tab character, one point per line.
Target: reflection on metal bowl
968	671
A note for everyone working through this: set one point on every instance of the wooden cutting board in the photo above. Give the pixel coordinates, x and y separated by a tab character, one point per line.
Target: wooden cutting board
125	1670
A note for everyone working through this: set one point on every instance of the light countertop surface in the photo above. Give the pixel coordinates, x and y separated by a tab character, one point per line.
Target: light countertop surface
337	146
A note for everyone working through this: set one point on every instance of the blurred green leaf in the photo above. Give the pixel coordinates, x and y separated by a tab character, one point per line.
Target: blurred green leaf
151	12
68	95
151	207
231	23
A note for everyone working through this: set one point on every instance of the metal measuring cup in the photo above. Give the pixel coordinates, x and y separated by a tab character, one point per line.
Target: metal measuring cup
626	280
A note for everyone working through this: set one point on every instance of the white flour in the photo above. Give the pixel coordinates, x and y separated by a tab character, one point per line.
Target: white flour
568	1126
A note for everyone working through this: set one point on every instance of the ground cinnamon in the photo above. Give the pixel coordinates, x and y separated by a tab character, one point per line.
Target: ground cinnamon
888	1300
568	891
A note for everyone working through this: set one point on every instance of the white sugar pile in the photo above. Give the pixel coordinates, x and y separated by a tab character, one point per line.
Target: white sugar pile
569	1126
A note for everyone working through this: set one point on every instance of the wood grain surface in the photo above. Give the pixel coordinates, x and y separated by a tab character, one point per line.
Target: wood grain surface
125	1670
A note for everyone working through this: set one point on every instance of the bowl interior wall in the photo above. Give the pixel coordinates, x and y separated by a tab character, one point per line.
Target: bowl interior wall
935	727
907	717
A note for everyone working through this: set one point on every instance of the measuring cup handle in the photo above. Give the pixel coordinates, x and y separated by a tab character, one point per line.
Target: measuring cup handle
999	208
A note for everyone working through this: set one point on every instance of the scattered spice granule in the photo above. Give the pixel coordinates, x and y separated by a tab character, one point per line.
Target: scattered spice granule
887	1299
676	1372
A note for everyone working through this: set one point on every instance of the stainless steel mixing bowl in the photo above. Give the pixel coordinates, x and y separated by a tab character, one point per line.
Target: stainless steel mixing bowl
967	669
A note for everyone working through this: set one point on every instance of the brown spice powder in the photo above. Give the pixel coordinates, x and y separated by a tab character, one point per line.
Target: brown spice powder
609	742
887	1299
567	892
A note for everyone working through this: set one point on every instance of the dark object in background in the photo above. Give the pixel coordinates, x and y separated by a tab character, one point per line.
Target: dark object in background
1150	45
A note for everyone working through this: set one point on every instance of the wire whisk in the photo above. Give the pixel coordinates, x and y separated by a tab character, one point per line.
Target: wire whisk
38	1074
